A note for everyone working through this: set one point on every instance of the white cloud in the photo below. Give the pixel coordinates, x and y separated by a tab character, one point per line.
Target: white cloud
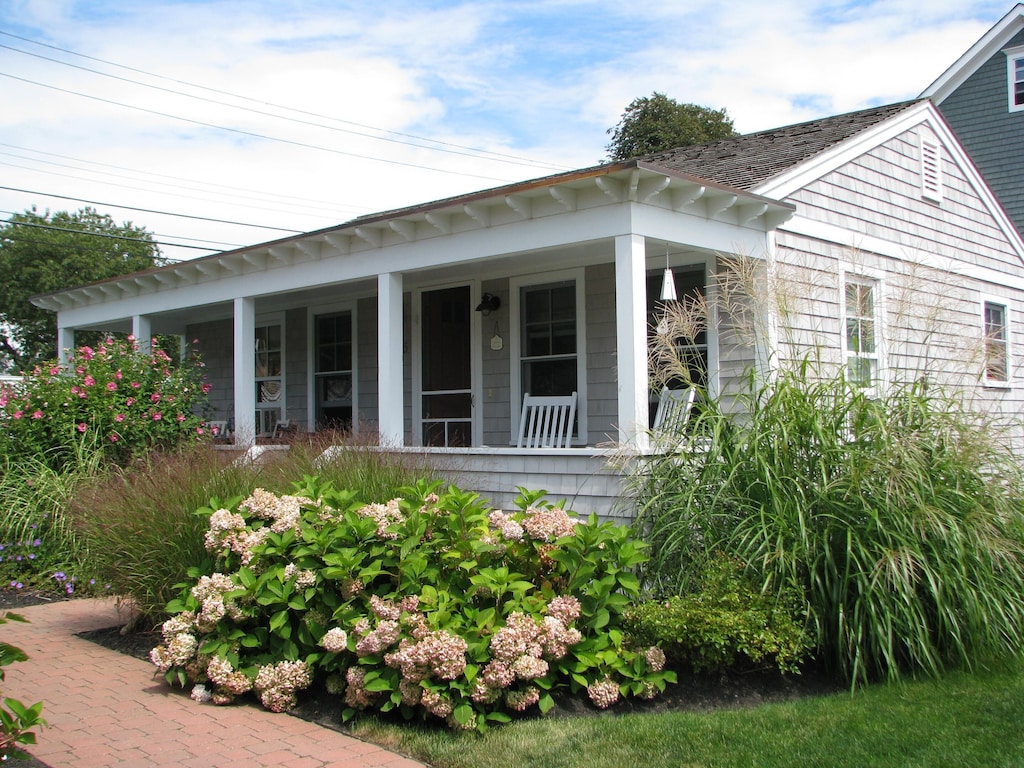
542	80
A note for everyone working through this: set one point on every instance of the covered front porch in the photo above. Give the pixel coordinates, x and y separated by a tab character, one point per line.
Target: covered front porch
426	327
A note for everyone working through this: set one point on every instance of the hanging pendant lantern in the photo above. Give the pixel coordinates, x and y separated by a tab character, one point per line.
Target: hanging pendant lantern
668	282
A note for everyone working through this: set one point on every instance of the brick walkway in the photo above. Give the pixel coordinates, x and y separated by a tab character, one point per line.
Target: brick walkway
105	708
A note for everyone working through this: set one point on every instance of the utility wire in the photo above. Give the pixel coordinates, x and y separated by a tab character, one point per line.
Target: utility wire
479	152
307	202
150	210
5	234
251	134
474	154
170	194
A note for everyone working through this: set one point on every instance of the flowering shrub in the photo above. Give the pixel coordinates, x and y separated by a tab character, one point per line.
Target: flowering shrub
114	397
427	603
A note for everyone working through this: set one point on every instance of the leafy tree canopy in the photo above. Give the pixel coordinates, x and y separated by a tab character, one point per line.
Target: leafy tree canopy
43	253
657	123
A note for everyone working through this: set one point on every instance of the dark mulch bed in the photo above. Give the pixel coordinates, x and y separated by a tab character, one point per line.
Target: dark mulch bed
693	693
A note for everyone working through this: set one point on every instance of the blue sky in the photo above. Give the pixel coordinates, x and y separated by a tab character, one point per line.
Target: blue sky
510	90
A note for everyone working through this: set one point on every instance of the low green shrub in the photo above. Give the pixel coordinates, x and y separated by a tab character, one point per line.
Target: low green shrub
727	624
138	522
16	719
429	604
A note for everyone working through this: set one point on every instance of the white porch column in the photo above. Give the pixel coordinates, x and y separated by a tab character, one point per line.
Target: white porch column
631	339
65	343
142	330
390	402
245	372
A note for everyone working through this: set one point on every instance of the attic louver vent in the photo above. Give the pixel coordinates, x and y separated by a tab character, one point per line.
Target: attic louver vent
931	170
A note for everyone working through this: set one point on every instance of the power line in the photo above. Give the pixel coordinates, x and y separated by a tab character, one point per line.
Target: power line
162	192
305	201
5	234
150	210
474	153
479	152
251	134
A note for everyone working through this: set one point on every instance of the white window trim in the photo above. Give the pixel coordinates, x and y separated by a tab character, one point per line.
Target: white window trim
931	169
312	314
262	321
516	284
1013	55
874	278
1003	302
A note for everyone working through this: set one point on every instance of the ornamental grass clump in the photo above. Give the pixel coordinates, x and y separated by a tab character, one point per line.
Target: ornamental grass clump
428	604
898	519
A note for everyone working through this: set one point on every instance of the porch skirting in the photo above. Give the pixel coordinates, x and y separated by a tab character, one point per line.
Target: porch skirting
588	479
585	477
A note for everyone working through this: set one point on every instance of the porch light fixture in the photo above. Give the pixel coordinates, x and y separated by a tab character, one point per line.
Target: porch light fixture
488	303
668	282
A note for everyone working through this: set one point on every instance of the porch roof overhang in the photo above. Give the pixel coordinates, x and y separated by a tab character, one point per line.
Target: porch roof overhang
351	251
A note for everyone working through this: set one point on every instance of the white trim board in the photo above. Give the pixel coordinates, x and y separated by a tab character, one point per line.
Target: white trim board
830	233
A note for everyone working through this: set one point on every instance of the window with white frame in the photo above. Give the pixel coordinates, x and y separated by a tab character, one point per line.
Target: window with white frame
1015	78
549	354
860	338
269	350
995	324
333	375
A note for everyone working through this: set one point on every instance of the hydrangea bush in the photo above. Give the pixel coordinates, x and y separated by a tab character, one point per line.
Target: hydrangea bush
116	397
428	604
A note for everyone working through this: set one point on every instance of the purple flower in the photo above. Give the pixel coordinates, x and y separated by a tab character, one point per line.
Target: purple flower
37	542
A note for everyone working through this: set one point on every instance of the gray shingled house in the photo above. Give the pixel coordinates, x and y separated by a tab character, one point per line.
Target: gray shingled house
428	325
982	98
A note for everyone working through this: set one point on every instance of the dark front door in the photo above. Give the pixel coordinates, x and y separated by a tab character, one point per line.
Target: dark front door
447	395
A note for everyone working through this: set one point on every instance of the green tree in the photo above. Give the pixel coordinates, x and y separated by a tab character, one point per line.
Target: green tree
657	123
42	253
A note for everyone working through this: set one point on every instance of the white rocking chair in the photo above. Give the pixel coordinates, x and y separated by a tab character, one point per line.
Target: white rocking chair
674	408
547	421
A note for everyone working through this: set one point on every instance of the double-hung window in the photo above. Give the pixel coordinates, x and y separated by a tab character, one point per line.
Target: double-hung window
550	360
860	338
551	346
333	373
995	324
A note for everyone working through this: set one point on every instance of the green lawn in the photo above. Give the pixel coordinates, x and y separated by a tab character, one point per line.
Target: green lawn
959	720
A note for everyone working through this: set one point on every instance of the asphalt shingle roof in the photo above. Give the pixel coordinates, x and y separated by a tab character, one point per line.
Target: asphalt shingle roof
745	162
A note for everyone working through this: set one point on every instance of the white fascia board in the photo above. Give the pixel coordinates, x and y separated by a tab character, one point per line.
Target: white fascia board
706	234
856	241
986	47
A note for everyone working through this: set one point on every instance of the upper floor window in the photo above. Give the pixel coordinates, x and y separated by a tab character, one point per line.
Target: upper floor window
861	333
995	323
1015	77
